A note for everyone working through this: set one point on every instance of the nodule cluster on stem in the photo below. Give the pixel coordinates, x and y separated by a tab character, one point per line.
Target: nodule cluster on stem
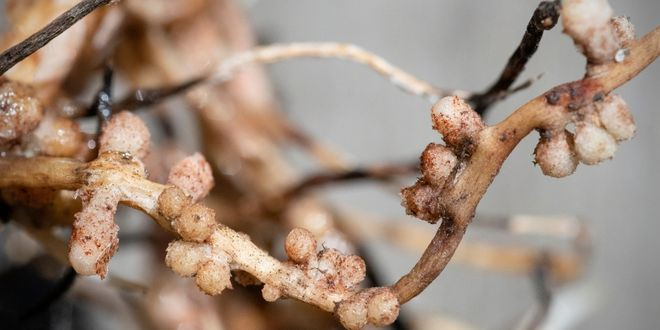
600	123
598	129
118	175
460	127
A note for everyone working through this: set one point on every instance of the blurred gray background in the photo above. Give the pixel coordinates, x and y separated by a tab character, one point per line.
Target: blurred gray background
464	44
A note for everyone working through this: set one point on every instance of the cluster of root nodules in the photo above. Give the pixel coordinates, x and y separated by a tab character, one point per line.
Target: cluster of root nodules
603	122
328	268
113	176
325	273
26	129
340	275
194	254
599	127
460	127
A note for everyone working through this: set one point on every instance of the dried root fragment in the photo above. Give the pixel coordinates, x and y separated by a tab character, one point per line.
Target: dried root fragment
55	59
588	23
20	111
193	175
458	123
555	154
593	144
616	118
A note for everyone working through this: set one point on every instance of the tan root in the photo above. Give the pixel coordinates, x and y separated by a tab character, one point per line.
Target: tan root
455	176
277	53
